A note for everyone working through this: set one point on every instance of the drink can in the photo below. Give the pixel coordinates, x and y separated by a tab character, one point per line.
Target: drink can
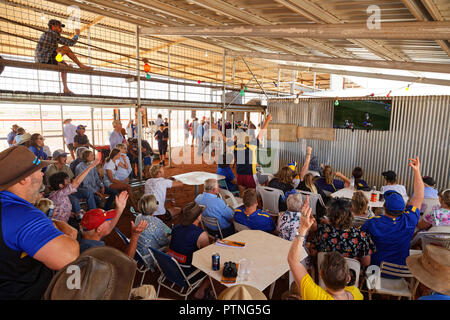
373	197
215	261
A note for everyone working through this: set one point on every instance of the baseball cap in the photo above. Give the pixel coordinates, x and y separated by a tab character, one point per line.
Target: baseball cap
95	217
394	202
389	175
81	127
427	180
58	153
55	22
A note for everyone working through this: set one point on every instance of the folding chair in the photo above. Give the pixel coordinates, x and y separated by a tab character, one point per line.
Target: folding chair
386	286
353	264
230	199
212	222
172	275
270	198
140	258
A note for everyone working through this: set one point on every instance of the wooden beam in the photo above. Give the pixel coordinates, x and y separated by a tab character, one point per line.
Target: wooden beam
400	65
88	26
441	82
430	30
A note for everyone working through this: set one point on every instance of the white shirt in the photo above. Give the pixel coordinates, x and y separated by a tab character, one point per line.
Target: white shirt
396	187
159	121
70	131
122	173
110	165
158	188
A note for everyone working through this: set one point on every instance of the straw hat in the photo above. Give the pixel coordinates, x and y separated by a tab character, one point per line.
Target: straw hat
24	138
241	292
105	274
432	268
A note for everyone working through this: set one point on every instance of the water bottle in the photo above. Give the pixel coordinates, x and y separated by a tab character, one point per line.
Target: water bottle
352	182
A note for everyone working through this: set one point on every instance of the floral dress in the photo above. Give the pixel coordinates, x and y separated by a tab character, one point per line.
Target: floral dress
438	217
288	223
352	243
63	207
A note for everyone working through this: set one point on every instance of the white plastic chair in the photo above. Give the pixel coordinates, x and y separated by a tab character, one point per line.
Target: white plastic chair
313	199
352	265
358	221
314	173
395	287
239	227
439	238
270	198
428	204
230	199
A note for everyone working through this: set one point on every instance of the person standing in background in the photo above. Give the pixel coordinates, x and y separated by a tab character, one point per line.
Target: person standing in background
69	131
12	135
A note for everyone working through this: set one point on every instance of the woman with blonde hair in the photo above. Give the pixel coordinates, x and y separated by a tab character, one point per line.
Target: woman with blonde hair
360	205
329	184
110	180
308	185
157	233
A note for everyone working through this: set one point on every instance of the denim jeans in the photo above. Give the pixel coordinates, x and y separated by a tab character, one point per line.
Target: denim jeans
110	201
82	193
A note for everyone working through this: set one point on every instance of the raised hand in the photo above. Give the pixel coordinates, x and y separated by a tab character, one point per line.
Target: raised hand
307	219
139	228
308	150
121	200
414	163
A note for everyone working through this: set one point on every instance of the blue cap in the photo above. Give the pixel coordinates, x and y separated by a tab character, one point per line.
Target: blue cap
81	127
394	202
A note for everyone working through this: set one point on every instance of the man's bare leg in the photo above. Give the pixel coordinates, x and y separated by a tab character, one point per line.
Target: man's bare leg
65	50
64	80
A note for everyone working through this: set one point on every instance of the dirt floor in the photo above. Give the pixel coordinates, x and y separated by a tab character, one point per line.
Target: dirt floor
182	196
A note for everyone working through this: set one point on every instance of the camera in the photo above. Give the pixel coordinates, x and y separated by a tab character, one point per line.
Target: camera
229	270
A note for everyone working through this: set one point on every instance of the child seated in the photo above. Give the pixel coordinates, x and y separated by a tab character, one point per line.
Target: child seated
62	188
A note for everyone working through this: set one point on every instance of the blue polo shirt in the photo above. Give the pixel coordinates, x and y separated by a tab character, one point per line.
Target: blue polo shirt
392	236
215	208
25	228
258	220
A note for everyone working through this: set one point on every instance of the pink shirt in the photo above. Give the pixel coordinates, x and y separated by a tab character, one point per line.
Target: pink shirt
63	207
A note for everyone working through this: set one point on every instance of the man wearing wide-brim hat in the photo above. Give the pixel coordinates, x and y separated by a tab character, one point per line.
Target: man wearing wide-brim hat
432	268
30	245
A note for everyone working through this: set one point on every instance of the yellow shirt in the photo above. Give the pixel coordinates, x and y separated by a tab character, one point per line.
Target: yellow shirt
311	291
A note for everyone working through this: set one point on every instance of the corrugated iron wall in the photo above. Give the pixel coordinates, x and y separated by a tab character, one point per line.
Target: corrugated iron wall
420	126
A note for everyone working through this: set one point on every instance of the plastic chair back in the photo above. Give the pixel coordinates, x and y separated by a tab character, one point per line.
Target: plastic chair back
437	238
270	198
313	199
239	227
353	265
230	199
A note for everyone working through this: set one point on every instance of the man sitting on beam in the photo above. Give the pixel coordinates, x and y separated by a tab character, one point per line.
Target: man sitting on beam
47	49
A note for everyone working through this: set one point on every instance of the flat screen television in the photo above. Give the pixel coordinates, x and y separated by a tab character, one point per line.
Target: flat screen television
362	114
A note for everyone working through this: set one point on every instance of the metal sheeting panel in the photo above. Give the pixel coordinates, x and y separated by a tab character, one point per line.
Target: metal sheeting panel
420	126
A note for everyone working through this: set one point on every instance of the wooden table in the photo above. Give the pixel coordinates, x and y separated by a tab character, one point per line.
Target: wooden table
197	178
348	194
267	253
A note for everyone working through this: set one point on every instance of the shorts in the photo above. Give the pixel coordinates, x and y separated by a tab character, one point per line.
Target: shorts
51	59
162	147
70	146
246	180
147	161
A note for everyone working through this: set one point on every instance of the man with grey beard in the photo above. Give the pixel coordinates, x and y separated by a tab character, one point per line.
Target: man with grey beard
31	244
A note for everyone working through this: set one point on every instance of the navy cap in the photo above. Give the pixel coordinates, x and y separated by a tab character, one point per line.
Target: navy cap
428	180
54	22
394	202
81	127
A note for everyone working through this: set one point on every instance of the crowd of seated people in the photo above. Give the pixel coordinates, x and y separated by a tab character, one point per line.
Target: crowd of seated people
61	230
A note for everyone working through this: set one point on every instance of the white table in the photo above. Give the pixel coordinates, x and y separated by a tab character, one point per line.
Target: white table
197	178
348	194
267	253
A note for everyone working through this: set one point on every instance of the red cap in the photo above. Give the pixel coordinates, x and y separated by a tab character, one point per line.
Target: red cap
95	217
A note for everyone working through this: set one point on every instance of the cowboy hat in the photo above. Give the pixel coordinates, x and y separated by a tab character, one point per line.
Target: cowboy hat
105	274
17	163
24	138
241	292
432	268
